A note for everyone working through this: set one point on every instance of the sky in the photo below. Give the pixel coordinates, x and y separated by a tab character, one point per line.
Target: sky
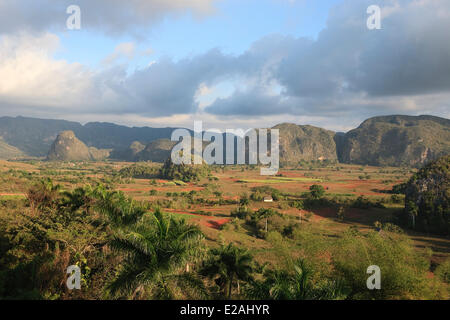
229	63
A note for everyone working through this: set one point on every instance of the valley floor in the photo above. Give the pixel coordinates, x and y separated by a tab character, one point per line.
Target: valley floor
316	229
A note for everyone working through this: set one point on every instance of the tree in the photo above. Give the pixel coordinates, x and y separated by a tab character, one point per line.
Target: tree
226	265
183	172
156	253
80	198
427	198
244	201
293	284
317	191
44	195
341	213
119	210
264	213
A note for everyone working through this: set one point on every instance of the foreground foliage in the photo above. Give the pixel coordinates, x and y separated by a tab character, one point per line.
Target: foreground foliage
130	250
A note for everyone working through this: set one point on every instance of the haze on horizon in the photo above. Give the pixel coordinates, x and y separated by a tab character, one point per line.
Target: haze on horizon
229	63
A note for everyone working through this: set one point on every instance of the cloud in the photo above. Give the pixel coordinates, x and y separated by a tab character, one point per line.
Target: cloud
28	74
110	16
410	55
122	50
352	69
347	74
34	82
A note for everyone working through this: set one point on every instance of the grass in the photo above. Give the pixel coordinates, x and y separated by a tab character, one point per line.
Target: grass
12	197
343	183
279	180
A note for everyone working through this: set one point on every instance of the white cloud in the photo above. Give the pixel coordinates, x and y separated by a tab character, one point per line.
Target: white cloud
32	80
29	75
122	50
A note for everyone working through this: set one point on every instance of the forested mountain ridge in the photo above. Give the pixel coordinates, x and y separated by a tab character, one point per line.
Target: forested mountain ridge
389	140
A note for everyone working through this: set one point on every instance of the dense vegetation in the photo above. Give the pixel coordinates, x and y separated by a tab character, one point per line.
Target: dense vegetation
129	249
427	201
183	172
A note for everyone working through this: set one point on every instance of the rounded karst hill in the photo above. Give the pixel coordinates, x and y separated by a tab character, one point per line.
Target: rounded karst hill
156	151
298	142
67	147
397	141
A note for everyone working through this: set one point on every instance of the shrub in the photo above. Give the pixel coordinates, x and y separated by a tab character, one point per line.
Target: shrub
403	269
364	203
395	198
317	191
341	213
183	172
443	271
257	196
139	171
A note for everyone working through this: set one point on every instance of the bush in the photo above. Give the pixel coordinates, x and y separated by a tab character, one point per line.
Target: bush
404	271
399	189
443	271
341	213
139	171
317	191
395	198
364	203
257	196
183	172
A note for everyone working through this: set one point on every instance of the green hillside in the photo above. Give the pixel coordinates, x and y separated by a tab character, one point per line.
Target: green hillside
397	141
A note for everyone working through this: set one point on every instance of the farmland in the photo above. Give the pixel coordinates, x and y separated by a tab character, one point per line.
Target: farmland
356	206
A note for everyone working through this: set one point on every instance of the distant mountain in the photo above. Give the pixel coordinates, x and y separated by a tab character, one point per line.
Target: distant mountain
33	137
156	151
9	152
396	141
67	147
305	143
388	140
113	136
128	154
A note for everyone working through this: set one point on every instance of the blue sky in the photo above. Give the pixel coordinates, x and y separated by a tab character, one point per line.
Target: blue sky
232	28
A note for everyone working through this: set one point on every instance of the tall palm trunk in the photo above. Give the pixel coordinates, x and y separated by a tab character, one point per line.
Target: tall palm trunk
230	287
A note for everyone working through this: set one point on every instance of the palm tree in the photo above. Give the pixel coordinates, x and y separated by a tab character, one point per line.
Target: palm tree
244	201
80	198
228	264
156	252
120	211
264	214
295	284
